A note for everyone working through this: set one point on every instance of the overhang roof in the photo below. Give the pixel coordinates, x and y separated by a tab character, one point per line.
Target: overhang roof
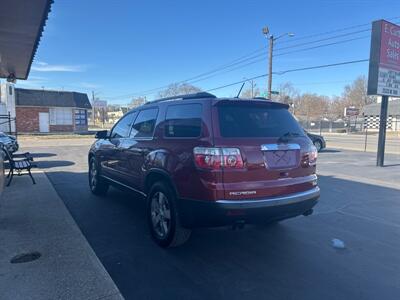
21	26
27	97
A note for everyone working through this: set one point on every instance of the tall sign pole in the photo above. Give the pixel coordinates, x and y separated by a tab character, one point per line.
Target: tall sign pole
384	73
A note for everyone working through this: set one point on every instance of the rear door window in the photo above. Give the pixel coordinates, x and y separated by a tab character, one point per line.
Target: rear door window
183	121
256	121
145	123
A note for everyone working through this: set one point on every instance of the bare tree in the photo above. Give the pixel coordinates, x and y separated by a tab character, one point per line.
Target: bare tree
177	89
311	106
287	93
135	102
355	94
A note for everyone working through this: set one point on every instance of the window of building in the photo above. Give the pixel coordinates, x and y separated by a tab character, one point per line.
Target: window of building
183	120
60	116
145	123
80	117
123	127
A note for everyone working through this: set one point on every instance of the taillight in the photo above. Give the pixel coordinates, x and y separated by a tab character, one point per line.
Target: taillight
218	158
310	157
232	158
208	158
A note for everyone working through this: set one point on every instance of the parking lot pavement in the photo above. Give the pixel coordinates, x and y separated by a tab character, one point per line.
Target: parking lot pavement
295	259
35	223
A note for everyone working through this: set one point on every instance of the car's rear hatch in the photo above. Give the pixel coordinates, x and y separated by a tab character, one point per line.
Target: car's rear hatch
273	146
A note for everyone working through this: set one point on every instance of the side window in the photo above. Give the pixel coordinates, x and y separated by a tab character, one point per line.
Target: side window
183	120
122	128
145	123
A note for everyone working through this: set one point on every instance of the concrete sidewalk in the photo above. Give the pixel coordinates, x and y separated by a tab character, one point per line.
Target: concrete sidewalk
34	218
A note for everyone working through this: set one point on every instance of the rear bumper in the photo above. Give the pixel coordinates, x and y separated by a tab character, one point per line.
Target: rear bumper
195	213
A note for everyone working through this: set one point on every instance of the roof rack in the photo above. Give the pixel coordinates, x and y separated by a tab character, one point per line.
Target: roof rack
185	97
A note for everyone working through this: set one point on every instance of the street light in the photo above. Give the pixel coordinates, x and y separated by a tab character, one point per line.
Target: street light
272	39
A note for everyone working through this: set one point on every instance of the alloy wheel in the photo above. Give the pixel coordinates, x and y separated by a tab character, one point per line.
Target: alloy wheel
160	214
93	174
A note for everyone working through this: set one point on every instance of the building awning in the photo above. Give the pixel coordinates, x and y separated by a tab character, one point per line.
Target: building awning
21	26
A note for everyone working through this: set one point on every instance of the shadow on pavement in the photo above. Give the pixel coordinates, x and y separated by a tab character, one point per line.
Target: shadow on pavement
292	260
37	155
329	151
47	164
391	165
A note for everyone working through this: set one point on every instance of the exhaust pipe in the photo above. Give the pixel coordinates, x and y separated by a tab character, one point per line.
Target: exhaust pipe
308	212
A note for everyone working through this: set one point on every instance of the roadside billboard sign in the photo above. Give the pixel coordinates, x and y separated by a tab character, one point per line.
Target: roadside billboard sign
351	111
384	62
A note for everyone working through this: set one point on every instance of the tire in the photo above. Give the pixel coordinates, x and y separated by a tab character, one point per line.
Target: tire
318	145
98	185
163	217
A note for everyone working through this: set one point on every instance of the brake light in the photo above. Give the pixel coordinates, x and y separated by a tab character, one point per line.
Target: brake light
232	158
310	157
218	158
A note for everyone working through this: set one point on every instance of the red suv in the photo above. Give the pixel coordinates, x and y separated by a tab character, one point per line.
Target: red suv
200	160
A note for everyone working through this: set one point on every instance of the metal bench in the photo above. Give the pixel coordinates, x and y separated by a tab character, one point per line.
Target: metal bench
19	163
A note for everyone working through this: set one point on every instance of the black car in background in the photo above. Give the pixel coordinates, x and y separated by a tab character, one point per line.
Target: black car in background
318	140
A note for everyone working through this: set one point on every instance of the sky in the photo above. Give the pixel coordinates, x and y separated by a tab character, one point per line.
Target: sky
121	49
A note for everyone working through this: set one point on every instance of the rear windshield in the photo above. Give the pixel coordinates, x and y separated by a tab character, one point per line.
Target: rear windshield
256	121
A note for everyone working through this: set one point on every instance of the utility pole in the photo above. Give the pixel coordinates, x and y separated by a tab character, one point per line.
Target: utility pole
253	85
271	49
271	40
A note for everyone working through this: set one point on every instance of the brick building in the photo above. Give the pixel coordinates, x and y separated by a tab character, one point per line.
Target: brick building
51	111
44	111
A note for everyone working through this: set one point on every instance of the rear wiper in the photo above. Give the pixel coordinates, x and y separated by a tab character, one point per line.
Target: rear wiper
287	136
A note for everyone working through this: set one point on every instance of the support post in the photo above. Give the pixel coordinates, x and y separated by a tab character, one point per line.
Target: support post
380	158
9	123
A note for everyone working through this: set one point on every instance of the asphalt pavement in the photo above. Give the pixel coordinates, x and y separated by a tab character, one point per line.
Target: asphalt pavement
295	259
43	254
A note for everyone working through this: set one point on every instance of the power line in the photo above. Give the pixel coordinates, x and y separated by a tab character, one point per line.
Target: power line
324	39
279	54
323	45
331	31
239	65
237	82
234	62
290	71
243	59
252	57
321	66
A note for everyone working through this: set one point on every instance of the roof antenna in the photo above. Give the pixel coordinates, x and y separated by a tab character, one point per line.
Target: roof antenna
241	88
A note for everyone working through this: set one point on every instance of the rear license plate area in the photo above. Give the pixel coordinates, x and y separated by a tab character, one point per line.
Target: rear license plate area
281	156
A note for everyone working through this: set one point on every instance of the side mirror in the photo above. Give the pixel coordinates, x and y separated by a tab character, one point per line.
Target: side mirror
102	134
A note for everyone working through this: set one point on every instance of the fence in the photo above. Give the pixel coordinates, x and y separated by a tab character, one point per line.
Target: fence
355	124
8	124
